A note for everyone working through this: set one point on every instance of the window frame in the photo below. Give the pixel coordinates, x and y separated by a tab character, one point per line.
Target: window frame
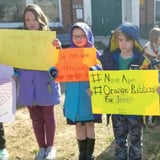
155	14
19	25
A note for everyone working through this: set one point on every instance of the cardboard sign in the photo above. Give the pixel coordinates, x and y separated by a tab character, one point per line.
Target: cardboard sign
130	92
33	50
73	64
7	94
27	49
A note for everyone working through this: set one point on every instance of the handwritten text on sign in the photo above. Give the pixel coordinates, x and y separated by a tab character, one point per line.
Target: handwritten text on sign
73	64
33	50
125	92
27	49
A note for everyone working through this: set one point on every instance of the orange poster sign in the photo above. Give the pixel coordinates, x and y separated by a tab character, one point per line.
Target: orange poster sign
73	64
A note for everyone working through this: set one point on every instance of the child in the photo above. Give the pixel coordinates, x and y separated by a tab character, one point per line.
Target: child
38	92
152	48
124	52
77	104
152	52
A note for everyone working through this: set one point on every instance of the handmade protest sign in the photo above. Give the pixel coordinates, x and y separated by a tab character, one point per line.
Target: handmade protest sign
131	92
27	49
33	50
7	94
73	63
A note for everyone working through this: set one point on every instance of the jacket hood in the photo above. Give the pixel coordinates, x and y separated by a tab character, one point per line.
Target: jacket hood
87	32
132	31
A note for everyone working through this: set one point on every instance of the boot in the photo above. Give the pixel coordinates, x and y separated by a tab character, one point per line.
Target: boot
82	145
90	148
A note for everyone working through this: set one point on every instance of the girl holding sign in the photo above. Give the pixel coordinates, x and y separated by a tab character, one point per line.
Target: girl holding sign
38	92
123	53
77	104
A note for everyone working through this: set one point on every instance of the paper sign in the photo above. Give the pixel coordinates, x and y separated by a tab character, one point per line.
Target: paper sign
27	49
73	64
131	92
7	94
33	50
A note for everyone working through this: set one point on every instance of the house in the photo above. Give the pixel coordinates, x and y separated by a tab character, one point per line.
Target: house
149	16
101	15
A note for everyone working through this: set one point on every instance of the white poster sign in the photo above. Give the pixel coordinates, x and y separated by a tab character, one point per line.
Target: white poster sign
7	94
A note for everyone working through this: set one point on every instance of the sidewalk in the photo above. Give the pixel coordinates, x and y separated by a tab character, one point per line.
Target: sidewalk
105	40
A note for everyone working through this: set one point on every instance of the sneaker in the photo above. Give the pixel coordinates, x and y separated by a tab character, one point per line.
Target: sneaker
4	154
50	153
41	154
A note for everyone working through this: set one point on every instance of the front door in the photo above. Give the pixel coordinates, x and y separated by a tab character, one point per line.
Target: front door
106	16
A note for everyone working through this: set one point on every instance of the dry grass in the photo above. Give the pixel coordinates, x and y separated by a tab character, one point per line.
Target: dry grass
21	142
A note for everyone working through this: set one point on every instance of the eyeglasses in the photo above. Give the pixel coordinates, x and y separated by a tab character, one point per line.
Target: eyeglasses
79	36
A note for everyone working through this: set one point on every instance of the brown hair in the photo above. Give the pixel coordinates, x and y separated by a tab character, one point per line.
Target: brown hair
39	15
154	34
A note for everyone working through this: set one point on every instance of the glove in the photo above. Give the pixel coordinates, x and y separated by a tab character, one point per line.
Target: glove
53	73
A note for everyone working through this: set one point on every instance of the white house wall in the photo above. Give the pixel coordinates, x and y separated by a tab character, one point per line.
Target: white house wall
87	12
134	11
133	16
29	1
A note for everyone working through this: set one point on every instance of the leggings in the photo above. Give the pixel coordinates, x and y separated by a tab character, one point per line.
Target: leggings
43	122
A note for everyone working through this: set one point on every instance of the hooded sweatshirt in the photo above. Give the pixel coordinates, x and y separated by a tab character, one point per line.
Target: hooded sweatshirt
77	104
110	57
152	55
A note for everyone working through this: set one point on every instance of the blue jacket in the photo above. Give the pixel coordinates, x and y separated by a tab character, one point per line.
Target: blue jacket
77	104
110	57
110	60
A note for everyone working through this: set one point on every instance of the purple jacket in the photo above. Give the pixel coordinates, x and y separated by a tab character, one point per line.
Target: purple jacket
35	88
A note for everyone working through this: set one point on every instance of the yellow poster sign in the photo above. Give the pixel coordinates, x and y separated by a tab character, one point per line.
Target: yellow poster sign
131	92
34	50
27	49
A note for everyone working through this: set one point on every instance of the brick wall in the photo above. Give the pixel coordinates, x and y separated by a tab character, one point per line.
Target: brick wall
69	14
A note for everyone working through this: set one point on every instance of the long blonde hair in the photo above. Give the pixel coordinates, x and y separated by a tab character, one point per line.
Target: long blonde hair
39	15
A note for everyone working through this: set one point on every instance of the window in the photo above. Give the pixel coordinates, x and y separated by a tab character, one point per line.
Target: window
157	11
11	12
